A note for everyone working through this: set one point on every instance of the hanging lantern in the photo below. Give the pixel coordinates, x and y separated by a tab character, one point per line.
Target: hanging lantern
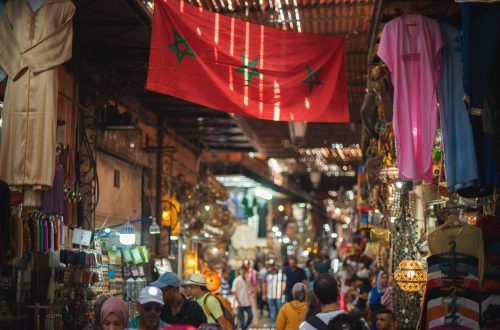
213	281
410	275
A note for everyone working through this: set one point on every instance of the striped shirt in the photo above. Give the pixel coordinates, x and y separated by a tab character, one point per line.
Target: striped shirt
274	284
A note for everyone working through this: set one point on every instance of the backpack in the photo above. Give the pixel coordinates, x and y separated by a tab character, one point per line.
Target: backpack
317	323
229	322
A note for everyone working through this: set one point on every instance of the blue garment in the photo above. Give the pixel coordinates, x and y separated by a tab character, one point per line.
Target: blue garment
481	34
375	298
309	278
133	323
241	316
224	287
239	211
292	277
375	305
460	165
274	306
323	268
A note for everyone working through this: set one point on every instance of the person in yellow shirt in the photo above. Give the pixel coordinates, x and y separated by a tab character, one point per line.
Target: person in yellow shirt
292	314
211	305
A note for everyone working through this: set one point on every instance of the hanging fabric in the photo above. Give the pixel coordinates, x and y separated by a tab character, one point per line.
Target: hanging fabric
38	41
411	47
460	166
53	200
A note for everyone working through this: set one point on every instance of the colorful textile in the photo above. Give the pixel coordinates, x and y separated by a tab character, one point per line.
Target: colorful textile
443	310
238	67
411	47
452	294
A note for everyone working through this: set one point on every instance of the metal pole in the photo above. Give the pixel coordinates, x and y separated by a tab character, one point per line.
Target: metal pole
159	161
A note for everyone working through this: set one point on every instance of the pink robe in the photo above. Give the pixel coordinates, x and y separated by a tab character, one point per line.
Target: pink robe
411	47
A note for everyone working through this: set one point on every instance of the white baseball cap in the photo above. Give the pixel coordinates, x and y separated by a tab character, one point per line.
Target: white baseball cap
197	279
151	294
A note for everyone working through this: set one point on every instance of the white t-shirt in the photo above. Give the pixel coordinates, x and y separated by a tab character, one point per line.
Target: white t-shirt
325	317
240	286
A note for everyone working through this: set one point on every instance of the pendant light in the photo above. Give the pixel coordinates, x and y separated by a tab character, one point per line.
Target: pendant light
154	229
127	234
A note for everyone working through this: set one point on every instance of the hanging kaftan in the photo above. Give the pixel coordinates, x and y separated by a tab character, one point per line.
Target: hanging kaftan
32	45
411	47
459	151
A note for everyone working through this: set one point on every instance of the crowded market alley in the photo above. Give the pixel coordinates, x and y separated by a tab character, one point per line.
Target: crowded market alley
270	164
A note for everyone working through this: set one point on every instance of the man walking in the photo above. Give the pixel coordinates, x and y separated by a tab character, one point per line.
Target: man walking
293	275
272	291
243	301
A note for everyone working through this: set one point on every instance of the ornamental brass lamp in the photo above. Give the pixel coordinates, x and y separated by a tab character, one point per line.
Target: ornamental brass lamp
410	275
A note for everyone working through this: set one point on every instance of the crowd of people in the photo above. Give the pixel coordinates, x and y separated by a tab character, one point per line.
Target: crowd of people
313	298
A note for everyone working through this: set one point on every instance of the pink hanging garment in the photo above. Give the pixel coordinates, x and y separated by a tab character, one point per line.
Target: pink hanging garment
411	47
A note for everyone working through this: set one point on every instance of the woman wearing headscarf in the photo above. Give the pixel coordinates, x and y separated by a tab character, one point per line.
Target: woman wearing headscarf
114	314
96	324
293	313
376	295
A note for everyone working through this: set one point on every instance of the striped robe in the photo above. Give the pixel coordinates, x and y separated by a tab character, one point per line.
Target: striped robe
32	45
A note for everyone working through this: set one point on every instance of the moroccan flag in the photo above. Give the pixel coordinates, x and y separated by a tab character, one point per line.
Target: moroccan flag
234	66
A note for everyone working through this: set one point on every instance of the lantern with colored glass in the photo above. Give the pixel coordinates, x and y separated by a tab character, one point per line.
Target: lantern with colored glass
410	275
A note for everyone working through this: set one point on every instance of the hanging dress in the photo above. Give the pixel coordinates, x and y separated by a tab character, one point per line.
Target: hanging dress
411	47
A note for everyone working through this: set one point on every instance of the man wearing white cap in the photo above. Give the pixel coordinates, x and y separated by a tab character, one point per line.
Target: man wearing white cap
211	306
149	307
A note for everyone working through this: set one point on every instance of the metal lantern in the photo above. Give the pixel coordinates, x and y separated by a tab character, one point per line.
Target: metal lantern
214	255
410	275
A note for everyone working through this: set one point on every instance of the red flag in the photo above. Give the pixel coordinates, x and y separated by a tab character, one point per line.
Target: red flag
234	66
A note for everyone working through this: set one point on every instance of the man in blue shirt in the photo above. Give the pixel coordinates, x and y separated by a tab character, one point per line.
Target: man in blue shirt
293	275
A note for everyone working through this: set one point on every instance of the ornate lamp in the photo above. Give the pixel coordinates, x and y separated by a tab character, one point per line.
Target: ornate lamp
410	275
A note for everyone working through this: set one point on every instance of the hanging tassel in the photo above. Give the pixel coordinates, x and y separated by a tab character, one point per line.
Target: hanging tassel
26	237
73	211
61	233
69	211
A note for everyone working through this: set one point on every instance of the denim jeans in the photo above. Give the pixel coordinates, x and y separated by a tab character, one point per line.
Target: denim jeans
274	307
241	316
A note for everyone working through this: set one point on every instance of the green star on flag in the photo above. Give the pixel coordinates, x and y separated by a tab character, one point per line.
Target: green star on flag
180	47
249	69
312	78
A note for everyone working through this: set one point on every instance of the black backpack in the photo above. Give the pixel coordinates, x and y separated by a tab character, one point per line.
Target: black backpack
317	323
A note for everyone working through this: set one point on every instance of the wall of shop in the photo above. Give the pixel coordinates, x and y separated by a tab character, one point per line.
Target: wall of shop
120	190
